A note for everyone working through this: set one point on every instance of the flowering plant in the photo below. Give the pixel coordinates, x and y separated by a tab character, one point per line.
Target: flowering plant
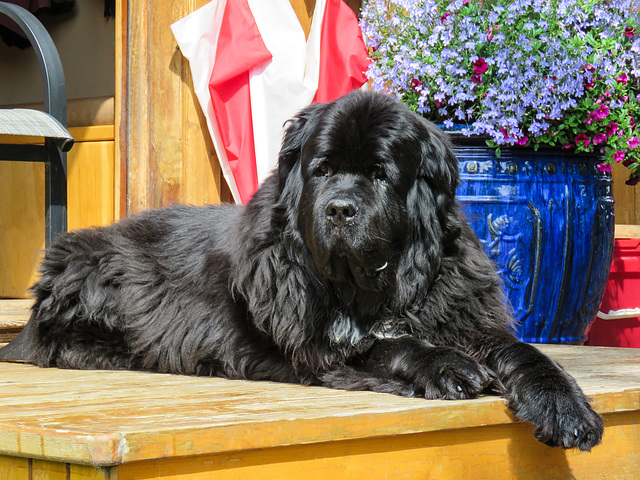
563	73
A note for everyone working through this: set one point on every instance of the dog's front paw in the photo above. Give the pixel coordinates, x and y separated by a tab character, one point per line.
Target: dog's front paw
449	374
562	418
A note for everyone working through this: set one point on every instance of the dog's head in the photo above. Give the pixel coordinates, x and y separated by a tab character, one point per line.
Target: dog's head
371	188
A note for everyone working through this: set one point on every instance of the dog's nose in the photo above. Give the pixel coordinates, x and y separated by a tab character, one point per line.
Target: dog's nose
341	212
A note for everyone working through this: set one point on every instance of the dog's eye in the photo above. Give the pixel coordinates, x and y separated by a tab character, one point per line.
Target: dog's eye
323	170
380	173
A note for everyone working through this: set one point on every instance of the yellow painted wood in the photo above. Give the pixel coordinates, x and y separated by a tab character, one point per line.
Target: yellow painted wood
168	425
91	188
91	202
21	225
494	452
87	472
46	470
14	468
627	198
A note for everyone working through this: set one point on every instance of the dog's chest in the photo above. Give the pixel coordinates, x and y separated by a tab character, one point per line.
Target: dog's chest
347	331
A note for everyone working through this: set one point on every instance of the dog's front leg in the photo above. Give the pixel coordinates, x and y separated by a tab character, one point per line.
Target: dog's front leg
410	367
539	391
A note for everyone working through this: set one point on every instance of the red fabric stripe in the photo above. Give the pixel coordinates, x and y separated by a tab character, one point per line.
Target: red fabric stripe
240	49
343	55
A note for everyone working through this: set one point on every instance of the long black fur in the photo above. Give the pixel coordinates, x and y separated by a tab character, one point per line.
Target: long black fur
352	267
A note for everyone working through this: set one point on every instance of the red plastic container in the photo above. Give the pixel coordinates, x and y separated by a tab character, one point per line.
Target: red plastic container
617	323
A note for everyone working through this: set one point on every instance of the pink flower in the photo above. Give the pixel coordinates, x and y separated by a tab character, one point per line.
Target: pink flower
618	156
416	84
612	128
480	66
602	112
599	138
589	67
522	141
604	167
582	138
568	146
629	32
633	142
489	35
598	114
622	78
476	79
444	17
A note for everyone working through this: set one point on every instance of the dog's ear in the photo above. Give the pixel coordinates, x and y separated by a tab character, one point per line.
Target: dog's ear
435	221
296	133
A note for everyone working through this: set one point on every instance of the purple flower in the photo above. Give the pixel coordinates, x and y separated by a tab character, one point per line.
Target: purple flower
604	167
633	142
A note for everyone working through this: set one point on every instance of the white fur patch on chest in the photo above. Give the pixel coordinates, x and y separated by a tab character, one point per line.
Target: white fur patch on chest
345	330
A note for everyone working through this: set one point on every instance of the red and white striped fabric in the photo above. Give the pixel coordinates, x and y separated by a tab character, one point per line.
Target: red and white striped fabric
253	69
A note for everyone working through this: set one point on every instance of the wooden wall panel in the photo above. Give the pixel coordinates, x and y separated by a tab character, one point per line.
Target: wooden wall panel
91	202
21	225
627	198
163	140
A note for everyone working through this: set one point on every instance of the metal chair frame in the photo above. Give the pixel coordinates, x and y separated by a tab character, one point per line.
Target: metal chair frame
53	152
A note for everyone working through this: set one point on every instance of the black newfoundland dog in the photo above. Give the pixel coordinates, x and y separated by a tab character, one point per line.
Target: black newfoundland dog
352	267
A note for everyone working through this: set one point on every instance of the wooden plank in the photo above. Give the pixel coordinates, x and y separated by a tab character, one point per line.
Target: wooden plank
85	472
14	315
21	225
91	188
627	198
16	304
121	111
165	144
494	452
46	470
627	231
107	418
14	468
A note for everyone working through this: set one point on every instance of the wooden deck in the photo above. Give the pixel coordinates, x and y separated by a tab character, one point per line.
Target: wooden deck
14	315
73	425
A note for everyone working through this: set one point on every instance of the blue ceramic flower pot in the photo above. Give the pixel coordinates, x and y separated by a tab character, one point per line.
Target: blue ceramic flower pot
546	219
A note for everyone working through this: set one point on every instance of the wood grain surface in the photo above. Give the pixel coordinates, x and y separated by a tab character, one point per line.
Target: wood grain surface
108	418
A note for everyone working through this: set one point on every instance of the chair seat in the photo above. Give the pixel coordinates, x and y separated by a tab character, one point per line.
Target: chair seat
20	121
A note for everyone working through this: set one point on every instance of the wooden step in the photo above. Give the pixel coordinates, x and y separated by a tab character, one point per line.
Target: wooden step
14	315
